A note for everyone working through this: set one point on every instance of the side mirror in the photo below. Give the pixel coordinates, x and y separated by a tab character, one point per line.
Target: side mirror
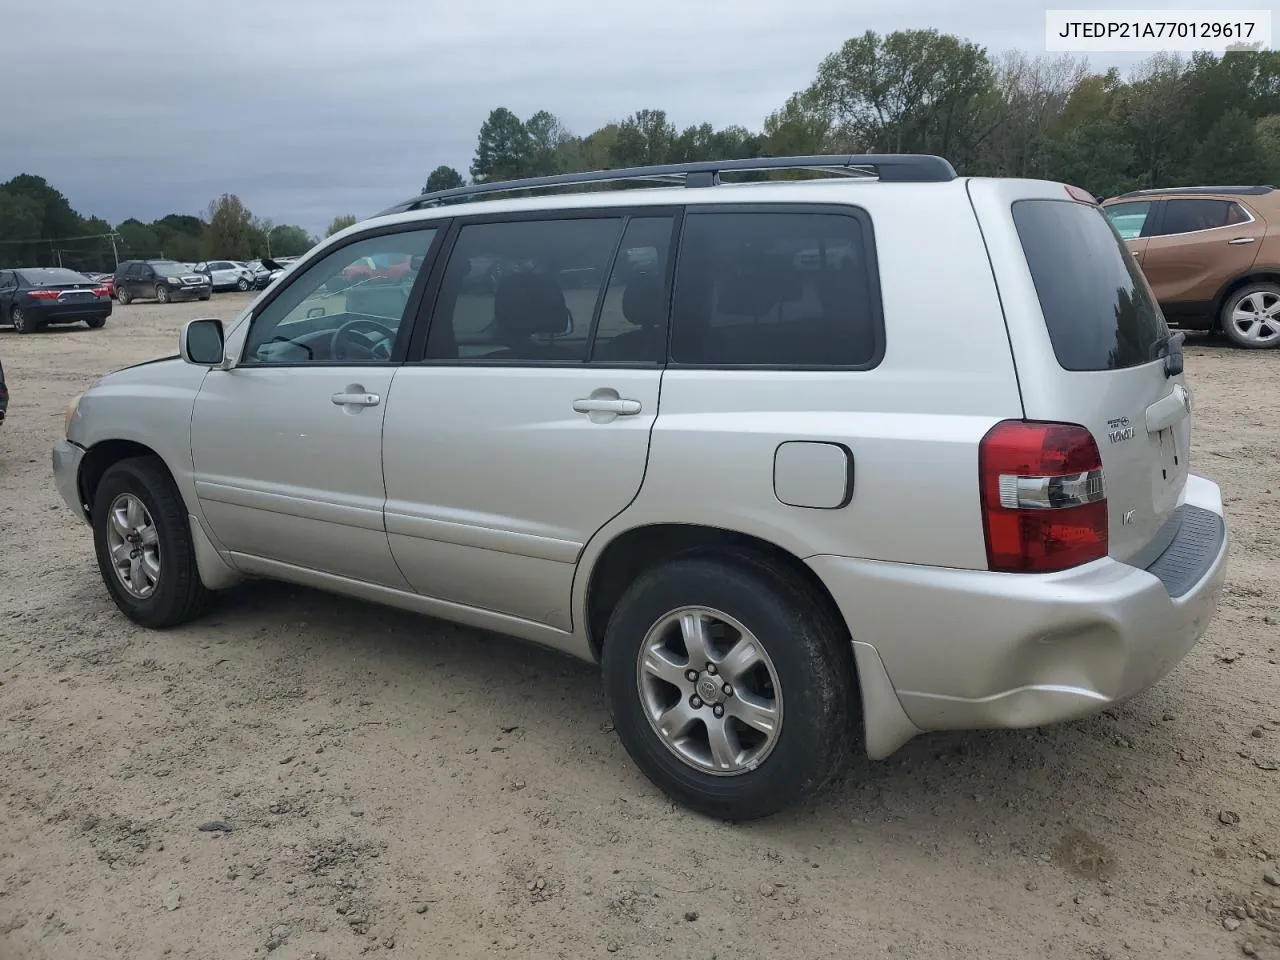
201	342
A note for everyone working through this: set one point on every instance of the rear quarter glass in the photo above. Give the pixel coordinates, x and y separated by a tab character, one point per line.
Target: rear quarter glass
1096	304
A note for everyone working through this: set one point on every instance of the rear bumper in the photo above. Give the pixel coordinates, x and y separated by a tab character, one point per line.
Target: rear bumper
966	649
68	312
66	475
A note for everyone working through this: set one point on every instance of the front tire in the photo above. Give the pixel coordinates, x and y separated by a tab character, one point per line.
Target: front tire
162	293
1251	317
770	715
142	538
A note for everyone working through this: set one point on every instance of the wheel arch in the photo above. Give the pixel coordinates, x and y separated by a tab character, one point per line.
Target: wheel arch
633	551
102	456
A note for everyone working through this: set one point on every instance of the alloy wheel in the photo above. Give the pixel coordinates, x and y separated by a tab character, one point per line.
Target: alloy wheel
134	543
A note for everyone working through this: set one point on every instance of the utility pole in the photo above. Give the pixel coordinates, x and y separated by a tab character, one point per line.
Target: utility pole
115	254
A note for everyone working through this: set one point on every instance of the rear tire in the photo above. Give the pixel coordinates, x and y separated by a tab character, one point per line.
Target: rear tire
166	589
242	284
21	322
96	323
800	693
1251	317
124	297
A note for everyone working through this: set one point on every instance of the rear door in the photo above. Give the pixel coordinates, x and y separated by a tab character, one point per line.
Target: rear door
1089	342
525	426
1197	247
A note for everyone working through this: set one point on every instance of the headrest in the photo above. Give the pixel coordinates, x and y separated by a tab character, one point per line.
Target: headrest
642	300
525	304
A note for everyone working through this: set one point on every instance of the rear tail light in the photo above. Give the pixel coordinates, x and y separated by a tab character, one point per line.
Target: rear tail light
44	294
102	292
1043	503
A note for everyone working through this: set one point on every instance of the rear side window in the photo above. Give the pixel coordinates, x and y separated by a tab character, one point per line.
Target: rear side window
1096	305
776	289
1129	219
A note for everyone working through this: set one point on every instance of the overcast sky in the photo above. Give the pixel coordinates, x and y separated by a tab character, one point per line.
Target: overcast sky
311	108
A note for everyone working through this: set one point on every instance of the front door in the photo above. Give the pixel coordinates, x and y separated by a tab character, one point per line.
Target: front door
1199	245
287	445
526	428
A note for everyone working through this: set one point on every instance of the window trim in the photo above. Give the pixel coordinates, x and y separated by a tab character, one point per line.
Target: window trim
1167	202
428	311
851	211
441	225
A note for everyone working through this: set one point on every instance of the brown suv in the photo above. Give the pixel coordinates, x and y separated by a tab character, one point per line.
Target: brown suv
1211	254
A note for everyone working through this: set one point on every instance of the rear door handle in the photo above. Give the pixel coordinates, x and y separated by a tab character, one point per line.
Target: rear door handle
1243	240
356	399
620	407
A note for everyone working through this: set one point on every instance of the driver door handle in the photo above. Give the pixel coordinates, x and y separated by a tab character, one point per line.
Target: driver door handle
1243	240
623	408
356	399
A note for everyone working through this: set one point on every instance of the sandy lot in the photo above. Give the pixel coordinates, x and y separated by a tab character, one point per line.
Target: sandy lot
402	787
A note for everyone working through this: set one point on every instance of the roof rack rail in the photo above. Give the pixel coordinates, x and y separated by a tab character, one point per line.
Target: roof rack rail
914	168
1243	191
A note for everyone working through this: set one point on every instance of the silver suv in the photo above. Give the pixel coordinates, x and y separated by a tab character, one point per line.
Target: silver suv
804	465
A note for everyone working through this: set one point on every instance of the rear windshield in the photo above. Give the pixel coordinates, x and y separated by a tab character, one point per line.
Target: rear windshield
45	276
1096	305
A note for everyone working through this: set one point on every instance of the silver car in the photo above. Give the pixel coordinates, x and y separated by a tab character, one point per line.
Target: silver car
717	438
227	274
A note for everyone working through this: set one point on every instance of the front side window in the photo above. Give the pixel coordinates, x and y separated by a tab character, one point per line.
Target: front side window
322	316
523	290
170	269
1129	219
778	289
1191	216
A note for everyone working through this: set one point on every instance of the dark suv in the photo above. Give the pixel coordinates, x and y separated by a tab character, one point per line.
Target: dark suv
163	280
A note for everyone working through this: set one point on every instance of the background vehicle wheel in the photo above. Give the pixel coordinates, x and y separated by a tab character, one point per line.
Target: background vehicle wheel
96	323
21	322
1251	316
205	296
242	284
123	297
143	542
731	685
162	293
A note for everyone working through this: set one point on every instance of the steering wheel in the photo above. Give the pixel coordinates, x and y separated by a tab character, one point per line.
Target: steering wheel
363	339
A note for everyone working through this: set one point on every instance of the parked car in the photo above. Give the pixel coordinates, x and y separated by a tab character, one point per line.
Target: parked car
35	297
833	531
1211	254
163	280
4	396
227	274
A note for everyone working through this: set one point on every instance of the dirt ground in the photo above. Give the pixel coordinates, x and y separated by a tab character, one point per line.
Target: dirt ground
398	786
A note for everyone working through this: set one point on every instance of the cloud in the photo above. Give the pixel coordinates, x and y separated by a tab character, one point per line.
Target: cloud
311	108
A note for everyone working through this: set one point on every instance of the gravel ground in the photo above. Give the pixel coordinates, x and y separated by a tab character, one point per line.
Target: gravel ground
303	775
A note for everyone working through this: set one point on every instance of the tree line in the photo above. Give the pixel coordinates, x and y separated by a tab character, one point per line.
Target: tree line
39	227
1173	121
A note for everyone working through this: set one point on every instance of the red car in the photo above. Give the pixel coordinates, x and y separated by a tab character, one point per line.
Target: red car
384	266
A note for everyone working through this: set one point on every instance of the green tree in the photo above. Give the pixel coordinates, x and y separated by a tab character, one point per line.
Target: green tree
1267	131
908	91
442	177
231	233
288	240
137	239
643	138
340	223
546	135
502	149
803	127
1231	152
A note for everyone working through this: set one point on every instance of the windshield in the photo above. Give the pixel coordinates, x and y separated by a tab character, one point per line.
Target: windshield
170	269
46	276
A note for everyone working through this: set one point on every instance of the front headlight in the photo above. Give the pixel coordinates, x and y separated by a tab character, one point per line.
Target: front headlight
176	281
71	412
